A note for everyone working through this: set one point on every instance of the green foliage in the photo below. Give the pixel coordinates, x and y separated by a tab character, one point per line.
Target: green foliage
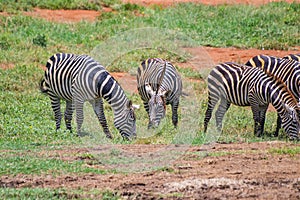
272	26
33	165
40	40
5	42
61	193
25	5
110	195
34	193
190	73
238	25
292	151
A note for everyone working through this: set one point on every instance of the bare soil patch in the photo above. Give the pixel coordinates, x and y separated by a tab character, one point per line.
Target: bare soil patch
65	15
237	171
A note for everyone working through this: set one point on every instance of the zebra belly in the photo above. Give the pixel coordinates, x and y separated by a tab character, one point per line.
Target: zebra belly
68	96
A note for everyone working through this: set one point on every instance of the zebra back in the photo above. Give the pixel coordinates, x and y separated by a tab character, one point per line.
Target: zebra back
293	57
150	72
286	70
224	78
61	72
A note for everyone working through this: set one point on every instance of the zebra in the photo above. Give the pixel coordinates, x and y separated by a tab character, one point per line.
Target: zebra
159	84
247	86
293	57
79	78
286	70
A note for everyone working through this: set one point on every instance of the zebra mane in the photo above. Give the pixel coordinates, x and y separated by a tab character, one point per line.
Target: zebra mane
161	77
281	82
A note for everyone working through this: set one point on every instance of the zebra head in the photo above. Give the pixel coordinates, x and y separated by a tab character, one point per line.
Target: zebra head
157	105
290	121
126	122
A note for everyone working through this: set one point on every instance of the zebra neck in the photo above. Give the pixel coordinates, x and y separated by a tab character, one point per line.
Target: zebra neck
116	98
280	96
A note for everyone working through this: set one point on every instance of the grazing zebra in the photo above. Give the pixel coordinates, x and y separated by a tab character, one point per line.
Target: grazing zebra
159	84
79	78
286	70
247	86
293	57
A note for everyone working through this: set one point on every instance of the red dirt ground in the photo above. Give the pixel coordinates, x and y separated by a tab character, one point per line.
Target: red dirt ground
65	15
239	171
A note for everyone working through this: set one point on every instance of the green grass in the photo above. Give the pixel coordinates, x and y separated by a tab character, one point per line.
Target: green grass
25	5
285	151
272	26
23	164
61	193
35	193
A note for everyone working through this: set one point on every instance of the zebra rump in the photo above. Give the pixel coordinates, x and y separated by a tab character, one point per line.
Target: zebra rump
246	86
159	84
79	78
288	70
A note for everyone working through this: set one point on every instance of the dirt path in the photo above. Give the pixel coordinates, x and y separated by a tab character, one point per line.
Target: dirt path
236	171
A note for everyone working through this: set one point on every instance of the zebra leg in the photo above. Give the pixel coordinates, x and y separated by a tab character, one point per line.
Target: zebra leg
55	103
222	109
68	114
278	126
98	109
262	114
175	105
210	107
257	120
79	114
146	106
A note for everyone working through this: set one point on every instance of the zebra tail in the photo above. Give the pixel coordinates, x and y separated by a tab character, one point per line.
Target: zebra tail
43	87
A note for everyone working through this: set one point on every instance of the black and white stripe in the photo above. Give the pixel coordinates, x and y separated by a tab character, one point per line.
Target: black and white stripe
285	69
159	84
247	86
293	57
79	78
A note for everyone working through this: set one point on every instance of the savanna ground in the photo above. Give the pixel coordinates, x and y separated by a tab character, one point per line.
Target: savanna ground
240	170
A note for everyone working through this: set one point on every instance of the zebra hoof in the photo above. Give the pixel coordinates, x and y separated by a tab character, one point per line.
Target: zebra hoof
258	134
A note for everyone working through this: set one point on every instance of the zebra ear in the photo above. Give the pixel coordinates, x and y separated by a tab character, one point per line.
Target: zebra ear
149	89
